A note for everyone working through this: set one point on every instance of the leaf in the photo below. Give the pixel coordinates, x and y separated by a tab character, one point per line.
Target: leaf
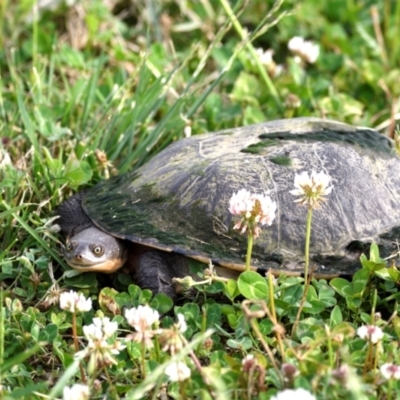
49	333
289	282
213	313
375	263
82	280
266	326
344	328
145	296
374	252
231	289
396	325
394	273
308	327
232	320
336	316
327	295
342	286
253	115
133	349
191	312
134	291
77	173
162	303
227	309
215	287
360	280
253	285
246	88
244	343
314	307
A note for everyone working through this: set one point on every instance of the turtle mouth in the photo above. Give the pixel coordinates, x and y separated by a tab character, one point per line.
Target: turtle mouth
107	267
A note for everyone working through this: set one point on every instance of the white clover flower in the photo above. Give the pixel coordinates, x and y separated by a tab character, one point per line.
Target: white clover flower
370	332
305	49
171	339
74	302
182	326
291	394
265	56
101	329
178	372
142	318
108	327
92	332
76	392
99	348
253	209
390	371
311	189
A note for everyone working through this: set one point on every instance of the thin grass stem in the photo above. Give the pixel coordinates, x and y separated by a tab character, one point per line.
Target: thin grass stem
76	345
242	33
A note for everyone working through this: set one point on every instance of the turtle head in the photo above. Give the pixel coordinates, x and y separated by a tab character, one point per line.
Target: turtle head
96	251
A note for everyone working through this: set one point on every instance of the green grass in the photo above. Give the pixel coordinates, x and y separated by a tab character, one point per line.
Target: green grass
78	80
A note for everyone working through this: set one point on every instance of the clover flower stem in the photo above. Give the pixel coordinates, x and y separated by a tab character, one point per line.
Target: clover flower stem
249	250
203	327
390	389
330	350
143	352
157	348
182	390
368	358
376	356
273	314
307	248
302	301
76	345
371	361
255	327
108	379
219	279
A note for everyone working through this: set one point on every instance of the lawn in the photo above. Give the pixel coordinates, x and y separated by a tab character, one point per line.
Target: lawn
90	89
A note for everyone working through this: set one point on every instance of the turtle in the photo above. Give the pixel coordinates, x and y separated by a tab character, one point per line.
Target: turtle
175	207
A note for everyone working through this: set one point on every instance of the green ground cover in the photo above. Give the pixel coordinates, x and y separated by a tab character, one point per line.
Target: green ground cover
96	88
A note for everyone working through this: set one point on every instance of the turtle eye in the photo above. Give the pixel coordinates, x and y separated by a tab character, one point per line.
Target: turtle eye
98	251
69	246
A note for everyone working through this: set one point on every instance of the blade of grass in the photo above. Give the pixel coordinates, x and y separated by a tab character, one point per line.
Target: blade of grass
65	378
243	35
90	94
20	358
35	235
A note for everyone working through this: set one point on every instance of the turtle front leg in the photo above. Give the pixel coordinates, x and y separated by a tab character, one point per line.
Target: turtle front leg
156	270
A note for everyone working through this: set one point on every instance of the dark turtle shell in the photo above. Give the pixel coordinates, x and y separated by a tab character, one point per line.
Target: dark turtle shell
178	202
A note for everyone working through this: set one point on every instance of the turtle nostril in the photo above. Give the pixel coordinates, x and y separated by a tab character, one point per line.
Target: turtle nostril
78	256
